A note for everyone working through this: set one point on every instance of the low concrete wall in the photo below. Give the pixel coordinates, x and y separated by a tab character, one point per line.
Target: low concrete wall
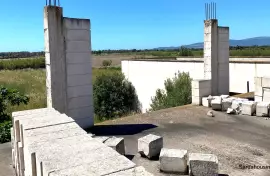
47	143
149	75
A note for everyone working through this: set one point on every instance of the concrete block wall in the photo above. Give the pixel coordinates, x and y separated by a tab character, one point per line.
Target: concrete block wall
79	70
68	65
200	88
262	89
223	61
48	143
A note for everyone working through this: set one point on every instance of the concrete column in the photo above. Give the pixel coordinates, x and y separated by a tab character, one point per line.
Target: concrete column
68	66
79	71
55	59
211	53
223	61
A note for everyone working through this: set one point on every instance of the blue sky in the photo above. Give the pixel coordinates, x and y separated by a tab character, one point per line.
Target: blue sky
128	24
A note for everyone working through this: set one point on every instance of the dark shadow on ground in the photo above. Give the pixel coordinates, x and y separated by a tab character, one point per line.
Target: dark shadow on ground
123	129
130	157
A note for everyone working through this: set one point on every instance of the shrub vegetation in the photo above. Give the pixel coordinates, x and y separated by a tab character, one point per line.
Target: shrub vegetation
13	98
177	92
114	96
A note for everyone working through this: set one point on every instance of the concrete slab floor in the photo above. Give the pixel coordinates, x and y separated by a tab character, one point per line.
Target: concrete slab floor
235	139
6	168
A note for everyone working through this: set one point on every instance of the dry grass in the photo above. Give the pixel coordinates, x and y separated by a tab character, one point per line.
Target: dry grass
32	82
116	58
29	82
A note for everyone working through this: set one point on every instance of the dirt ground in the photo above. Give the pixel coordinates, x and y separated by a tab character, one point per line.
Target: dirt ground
115	58
235	139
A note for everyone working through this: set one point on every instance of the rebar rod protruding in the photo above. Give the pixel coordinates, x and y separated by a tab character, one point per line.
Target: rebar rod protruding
215	10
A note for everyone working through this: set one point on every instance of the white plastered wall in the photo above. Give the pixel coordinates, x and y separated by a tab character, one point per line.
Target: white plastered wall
148	76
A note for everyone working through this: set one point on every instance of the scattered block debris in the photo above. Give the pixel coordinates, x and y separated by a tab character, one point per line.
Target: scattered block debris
203	164
210	114
248	108
173	160
262	109
150	145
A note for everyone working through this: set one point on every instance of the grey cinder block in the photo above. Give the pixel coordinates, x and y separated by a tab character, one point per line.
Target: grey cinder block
216	103
249	107
203	164
150	145
262	109
173	160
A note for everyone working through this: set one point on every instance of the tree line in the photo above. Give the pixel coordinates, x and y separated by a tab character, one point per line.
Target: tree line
183	50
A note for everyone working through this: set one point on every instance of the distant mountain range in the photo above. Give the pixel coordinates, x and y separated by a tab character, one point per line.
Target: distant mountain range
259	41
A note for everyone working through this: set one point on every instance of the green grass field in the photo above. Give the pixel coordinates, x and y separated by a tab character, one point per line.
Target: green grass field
32	82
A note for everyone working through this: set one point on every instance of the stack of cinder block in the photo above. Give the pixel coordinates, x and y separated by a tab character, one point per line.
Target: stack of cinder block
47	143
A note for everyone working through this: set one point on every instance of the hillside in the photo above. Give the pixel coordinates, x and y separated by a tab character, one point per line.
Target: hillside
259	41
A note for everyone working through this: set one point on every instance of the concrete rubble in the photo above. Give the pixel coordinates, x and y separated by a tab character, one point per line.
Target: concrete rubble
203	164
173	160
231	111
227	103
150	145
210	114
48	143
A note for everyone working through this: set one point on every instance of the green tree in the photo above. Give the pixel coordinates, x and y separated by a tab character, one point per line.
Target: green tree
177	92
185	52
114	96
8	97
